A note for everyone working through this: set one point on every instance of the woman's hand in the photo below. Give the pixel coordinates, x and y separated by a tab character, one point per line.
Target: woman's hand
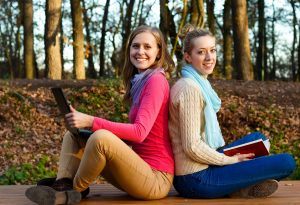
244	157
78	120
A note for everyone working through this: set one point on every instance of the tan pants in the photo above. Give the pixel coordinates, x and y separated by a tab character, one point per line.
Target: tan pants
104	153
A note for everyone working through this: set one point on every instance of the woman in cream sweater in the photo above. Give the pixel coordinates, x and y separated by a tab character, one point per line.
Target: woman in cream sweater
201	168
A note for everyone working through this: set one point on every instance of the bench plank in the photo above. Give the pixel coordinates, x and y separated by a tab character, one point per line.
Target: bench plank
288	193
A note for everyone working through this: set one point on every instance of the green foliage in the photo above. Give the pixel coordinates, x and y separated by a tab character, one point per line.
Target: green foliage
232	107
18	129
280	145
103	100
26	173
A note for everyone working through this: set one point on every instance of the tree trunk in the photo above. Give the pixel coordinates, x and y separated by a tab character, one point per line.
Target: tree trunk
294	77
260	69
102	41
227	49
164	20
181	24
139	13
52	39
197	13
299	55
11	39
19	64
266	53
273	70
116	55
168	28
78	39
91	72
36	67
210	6
28	39
241	40
62	44
9	61
126	29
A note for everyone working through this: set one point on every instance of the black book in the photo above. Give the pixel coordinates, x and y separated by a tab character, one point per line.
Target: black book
64	108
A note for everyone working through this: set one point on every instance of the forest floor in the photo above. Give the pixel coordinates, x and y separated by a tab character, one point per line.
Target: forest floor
32	129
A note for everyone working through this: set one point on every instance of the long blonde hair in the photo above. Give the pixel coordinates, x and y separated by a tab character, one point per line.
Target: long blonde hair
164	61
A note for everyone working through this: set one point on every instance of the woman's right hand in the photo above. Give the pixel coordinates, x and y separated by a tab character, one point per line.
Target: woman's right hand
244	157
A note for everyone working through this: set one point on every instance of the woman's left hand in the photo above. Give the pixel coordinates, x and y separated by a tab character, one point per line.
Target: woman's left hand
78	119
244	157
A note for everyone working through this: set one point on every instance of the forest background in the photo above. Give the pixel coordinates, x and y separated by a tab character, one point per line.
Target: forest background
79	45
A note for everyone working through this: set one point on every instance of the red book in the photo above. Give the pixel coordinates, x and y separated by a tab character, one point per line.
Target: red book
258	147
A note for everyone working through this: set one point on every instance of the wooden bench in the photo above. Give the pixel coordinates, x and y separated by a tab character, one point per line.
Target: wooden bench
288	193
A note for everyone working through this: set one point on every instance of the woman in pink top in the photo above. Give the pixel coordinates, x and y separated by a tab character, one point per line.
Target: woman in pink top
144	170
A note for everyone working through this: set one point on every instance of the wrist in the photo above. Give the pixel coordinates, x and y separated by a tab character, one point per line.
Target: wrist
91	120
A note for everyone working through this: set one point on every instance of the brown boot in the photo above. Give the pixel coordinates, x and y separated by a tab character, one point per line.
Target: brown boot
51	181
61	192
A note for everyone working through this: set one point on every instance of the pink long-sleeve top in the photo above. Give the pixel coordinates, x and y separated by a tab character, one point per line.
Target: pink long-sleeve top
148	128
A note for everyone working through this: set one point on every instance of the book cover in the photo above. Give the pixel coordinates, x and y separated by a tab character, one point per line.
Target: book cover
258	147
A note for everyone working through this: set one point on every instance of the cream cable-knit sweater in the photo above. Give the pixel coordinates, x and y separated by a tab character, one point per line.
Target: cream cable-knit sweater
187	130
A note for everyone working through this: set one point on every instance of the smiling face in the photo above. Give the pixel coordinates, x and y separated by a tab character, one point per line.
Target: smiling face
203	55
144	51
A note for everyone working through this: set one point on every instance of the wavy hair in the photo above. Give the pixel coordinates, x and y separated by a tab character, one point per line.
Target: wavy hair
164	61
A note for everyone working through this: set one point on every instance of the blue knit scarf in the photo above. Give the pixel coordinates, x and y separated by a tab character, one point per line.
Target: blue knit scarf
213	133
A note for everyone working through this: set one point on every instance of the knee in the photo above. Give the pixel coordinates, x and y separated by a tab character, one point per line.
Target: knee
287	161
68	134
100	137
68	137
284	163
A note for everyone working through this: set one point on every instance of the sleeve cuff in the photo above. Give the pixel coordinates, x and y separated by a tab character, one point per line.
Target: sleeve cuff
96	125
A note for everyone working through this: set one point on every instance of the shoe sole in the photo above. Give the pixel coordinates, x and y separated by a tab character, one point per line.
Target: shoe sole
44	195
263	189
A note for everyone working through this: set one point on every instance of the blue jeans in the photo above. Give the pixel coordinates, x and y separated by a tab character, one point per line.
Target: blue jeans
220	181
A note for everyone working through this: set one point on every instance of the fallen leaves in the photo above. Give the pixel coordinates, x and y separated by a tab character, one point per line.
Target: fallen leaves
31	126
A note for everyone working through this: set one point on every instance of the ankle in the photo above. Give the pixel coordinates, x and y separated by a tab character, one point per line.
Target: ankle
63	184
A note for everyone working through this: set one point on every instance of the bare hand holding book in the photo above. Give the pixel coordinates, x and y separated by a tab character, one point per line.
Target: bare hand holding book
258	147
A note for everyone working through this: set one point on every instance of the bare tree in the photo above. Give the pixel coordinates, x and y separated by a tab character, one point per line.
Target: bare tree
260	68
273	69
299	55
52	39
181	24
62	42
227	43
197	13
126	29
28	39
102	41
241	40
168	28
117	53
210	6
78	39
164	18
19	65
91	72
294	75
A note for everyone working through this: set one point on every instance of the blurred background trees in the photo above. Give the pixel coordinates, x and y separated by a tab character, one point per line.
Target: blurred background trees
79	39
